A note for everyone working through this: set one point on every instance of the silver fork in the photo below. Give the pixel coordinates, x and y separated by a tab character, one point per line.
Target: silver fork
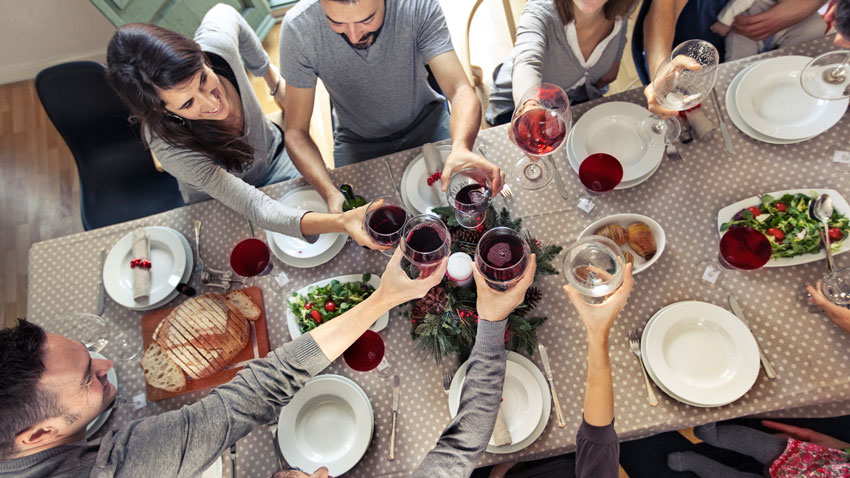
634	345
672	152
506	191
447	376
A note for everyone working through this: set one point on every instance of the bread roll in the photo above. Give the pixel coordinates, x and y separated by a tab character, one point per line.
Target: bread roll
615	232
641	240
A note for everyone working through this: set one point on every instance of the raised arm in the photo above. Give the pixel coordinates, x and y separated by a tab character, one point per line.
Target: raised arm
659	28
529	50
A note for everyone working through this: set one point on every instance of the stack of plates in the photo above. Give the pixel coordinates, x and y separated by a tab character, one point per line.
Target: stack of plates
526	402
171	263
295	252
767	103
328	423
700	354
99	420
612	128
418	197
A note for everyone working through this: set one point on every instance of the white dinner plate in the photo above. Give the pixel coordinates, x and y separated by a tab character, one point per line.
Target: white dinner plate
738	120
612	128
841	206
526	387
168	263
415	191
329	422
310	261
374	281
625	220
573	159
701	353
216	470
308	199
98	422
771	99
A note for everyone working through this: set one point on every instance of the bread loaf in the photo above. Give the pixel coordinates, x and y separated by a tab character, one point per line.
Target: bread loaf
160	371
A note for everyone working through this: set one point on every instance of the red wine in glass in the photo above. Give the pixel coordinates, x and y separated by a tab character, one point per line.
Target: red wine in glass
426	241
539	131
385	224
744	248
250	258
471	198
365	353
502	257
600	172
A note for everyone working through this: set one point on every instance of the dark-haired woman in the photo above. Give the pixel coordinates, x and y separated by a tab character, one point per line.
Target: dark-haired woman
204	125
575	44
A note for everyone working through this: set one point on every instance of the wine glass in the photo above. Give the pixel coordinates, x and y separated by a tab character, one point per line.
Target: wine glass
469	194
368	353
835	286
425	241
98	335
539	127
827	77
681	82
384	224
594	267
598	173
741	248
250	258
502	257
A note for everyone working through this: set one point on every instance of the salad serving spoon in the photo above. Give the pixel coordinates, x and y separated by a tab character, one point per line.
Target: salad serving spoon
821	210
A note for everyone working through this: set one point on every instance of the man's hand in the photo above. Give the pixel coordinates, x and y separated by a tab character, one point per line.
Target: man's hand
352	224
836	313
806	434
493	305
396	288
334	200
785	14
598	318
720	28
461	158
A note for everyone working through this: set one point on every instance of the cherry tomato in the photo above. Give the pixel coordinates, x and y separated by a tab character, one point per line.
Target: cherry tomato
316	316
330	306
308	306
779	235
835	234
781	207
756	211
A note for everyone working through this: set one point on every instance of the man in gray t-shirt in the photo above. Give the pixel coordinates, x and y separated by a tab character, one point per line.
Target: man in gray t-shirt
371	56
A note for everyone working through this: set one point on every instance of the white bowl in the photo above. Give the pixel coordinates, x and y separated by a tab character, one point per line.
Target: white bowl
626	220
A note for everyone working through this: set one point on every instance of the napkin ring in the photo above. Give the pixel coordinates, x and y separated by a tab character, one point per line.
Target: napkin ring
434	178
143	263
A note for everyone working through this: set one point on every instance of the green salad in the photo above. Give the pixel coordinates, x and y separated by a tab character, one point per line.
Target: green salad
328	301
786	223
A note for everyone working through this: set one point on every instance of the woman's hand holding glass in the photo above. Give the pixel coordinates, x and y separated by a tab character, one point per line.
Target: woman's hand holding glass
494	305
397	288
598	318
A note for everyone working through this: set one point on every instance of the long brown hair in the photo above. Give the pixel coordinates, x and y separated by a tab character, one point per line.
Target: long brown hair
143	58
613	9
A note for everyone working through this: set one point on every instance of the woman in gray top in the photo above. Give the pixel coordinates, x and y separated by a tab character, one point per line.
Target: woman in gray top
202	122
575	44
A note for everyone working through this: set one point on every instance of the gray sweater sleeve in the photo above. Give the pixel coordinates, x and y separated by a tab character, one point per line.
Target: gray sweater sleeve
223	28
465	438
597	451
185	442
530	49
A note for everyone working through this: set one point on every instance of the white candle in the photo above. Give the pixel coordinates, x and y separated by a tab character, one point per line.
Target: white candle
459	269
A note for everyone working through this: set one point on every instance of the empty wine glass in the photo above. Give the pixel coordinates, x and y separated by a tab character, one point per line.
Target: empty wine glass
502	257
539	127
425	241
384	224
594	267
741	248
681	82
598	173
98	335
835	286
469	194
827	77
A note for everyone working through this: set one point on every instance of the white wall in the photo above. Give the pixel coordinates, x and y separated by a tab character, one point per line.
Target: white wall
35	34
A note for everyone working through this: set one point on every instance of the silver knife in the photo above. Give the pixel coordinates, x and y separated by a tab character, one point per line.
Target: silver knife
100	292
544	357
727	140
392	178
562	188
737	310
396	386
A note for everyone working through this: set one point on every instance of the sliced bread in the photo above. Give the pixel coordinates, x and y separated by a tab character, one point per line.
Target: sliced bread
160	371
240	303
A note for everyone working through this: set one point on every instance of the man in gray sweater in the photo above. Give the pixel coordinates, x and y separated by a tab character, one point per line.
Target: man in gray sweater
50	388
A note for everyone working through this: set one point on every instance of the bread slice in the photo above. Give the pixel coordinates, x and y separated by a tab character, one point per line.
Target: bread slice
240	303
160	371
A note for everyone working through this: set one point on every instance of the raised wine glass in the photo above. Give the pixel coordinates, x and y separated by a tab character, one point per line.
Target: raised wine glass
539	128
594	267
682	81
502	257
469	194
384	223
598	173
741	248
835	286
425	241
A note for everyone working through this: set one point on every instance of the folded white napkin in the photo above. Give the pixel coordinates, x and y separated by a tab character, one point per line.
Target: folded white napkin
141	275
433	164
702	124
501	433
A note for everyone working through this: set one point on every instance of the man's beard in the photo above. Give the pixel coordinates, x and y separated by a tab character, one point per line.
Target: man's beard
365	42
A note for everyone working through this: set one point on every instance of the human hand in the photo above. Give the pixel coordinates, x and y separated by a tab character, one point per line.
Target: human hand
720	28
396	288
499	471
334	199
806	434
598	318
783	15
352	224
461	158
836	313
667	73
493	305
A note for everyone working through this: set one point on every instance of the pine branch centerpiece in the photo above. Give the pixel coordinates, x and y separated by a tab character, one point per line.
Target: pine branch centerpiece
444	320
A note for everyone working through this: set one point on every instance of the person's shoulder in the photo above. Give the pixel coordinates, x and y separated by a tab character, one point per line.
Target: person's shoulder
305	12
545	9
218	29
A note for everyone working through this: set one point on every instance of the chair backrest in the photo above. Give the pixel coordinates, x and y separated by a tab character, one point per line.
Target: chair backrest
118	180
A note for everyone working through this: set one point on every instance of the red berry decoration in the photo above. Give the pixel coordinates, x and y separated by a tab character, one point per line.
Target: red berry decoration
330	306
434	178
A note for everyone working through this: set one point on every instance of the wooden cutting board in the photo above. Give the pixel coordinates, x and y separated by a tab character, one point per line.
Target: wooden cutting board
258	347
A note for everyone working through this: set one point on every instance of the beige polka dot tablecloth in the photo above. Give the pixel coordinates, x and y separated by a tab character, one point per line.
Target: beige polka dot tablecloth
811	355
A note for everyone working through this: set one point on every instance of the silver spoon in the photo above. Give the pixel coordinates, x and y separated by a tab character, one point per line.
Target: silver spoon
821	210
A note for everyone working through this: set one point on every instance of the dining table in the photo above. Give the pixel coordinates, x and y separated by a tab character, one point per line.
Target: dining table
811	355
